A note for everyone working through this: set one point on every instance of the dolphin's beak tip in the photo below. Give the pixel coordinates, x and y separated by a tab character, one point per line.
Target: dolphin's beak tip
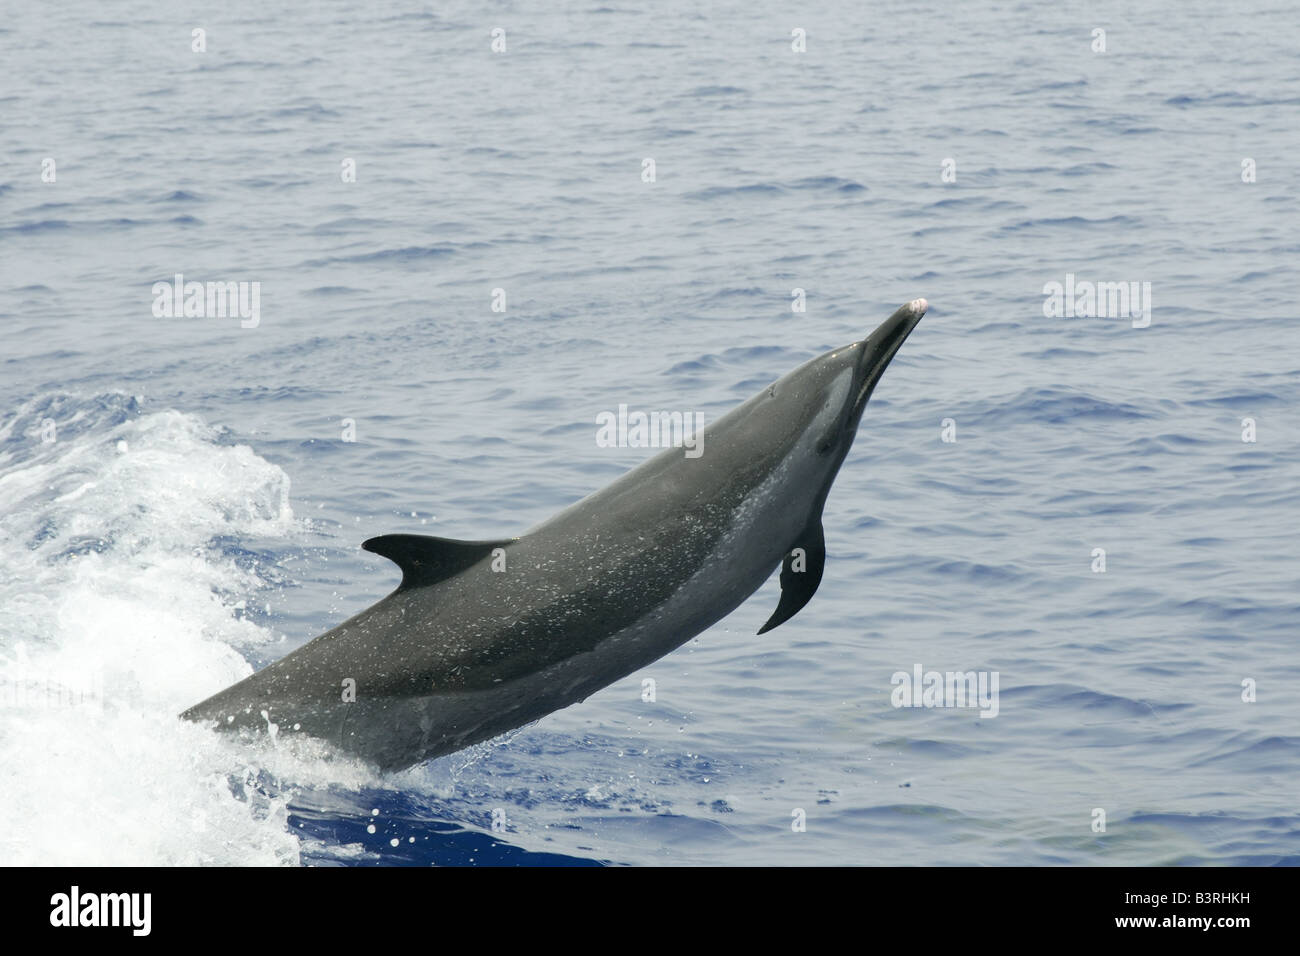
918	307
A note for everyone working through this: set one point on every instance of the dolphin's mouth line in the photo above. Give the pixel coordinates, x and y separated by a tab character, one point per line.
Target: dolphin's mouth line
901	325
875	369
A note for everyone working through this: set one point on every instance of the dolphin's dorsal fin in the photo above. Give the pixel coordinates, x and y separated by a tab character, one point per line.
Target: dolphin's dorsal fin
427	560
801	572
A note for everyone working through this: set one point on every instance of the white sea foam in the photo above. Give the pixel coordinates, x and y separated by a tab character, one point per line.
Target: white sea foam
120	608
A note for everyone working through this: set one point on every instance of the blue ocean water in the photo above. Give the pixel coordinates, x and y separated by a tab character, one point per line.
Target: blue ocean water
178	505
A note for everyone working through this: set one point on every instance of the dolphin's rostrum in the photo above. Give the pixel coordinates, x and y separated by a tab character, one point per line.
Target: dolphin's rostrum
484	636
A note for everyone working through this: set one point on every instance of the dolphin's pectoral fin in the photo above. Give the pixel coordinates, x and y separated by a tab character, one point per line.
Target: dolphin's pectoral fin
427	560
801	572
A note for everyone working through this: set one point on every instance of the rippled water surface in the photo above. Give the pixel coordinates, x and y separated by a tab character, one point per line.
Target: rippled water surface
197	513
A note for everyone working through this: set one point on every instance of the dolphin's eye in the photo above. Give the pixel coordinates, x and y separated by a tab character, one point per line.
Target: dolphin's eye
824	446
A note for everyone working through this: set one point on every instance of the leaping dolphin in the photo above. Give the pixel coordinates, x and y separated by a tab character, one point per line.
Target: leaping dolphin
482	637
